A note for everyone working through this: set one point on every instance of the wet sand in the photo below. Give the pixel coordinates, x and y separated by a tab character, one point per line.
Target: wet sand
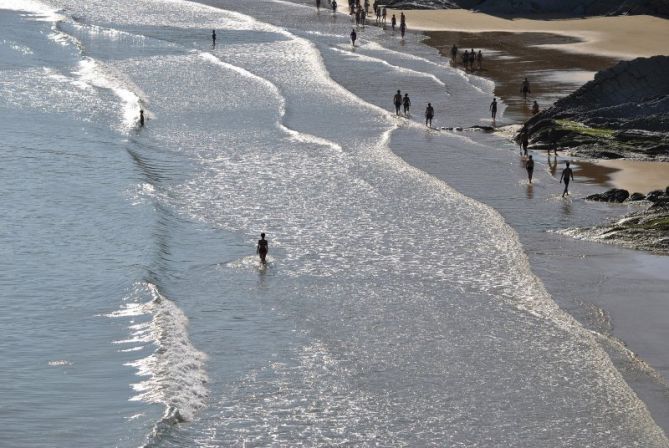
508	58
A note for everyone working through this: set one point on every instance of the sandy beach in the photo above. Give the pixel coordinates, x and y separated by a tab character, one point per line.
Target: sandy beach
623	37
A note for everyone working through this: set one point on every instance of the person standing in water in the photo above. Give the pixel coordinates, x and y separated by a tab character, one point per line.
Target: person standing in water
354	36
493	110
334	6
407	104
403	29
479	60
318	5
397	101
429	115
525	88
141	118
567	175
454	54
393	22
529	166
213	38
262	248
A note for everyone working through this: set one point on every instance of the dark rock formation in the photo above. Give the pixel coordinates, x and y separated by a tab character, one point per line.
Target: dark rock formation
637	197
646	230
613	195
623	112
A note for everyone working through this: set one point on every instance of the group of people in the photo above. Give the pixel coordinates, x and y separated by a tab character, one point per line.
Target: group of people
403	23
471	60
400	101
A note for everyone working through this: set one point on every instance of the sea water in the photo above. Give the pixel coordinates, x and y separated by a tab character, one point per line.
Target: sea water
394	310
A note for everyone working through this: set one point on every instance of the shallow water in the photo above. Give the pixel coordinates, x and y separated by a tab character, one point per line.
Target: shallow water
394	310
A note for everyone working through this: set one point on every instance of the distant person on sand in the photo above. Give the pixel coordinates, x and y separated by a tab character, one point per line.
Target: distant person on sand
454	54
472	59
403	18
403	29
334	6
525	88
141	118
465	59
262	248
567	173
429	115
529	166
479	60
493	109
383	14
397	101
318	5
393	22
213	38
535	108
354	36
407	104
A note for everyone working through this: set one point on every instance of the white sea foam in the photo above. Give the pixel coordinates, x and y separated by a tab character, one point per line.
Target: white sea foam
93	73
174	374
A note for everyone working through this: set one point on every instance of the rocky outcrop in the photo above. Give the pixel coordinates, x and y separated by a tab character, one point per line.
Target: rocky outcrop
646	230
613	195
623	112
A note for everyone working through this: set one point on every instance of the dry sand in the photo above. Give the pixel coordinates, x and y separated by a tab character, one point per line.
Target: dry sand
624	37
632	175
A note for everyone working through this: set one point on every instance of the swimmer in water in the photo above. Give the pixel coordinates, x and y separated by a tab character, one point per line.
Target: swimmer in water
213	38
262	248
141	118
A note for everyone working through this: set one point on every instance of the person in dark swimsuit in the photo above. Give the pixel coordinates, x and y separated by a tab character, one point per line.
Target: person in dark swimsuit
354	36
213	38
429	115
407	104
403	29
141	117
493	110
262	249
397	101
529	166
567	173
525	141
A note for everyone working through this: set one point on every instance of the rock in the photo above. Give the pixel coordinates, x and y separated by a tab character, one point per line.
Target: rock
655	195
613	195
637	197
667	191
623	112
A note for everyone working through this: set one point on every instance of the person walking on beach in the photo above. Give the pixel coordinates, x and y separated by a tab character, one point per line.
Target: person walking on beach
318	5
454	54
524	141
529	166
429	115
403	18
567	173
472	59
141	118
525	88
479	60
262	248
334	6
363	18
403	29
384	14
397	101
393	22
465	59
493	110
213	38
354	36
407	104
